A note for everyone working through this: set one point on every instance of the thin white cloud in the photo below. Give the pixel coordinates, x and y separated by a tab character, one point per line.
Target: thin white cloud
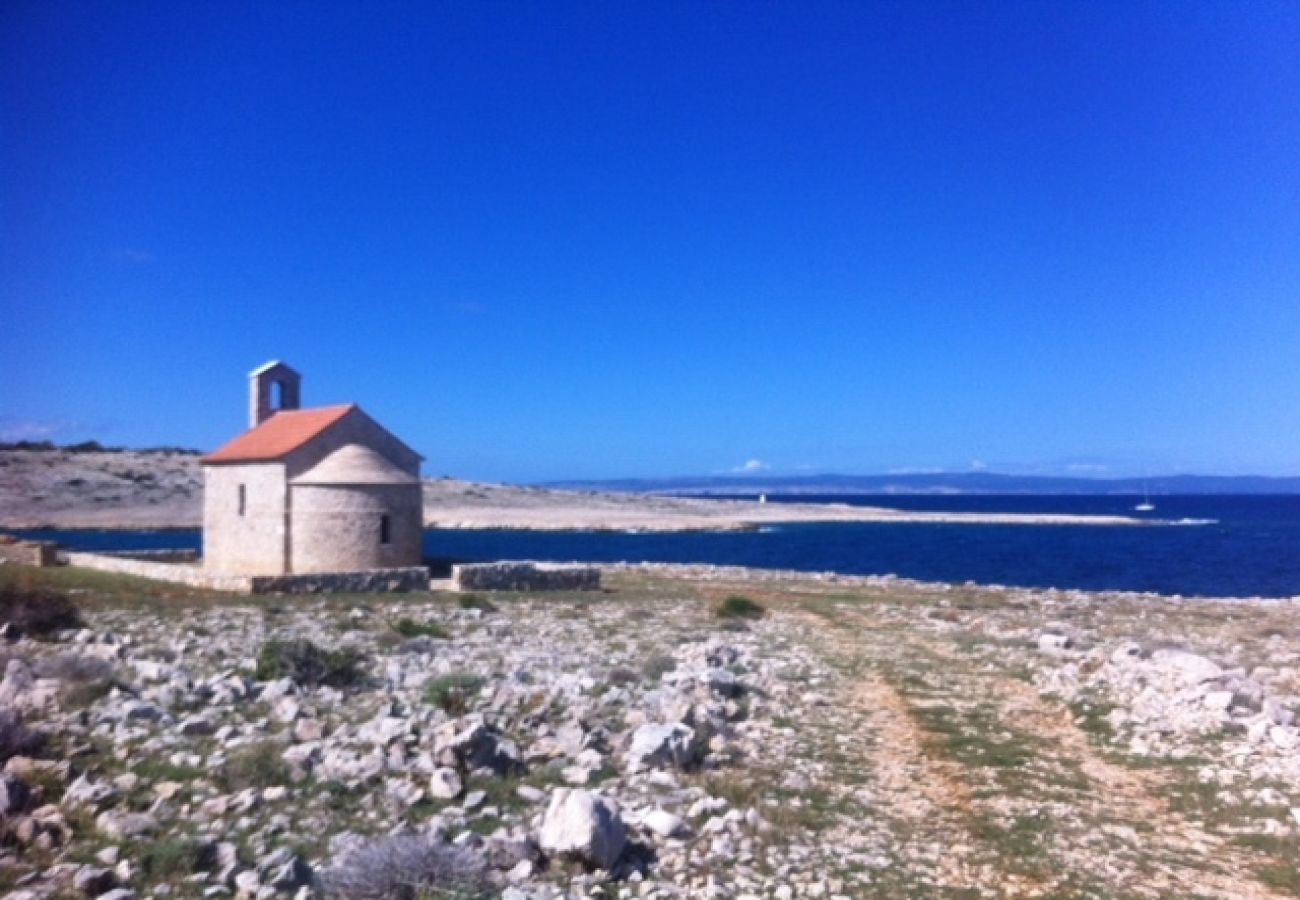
978	465
14	429
1088	468
751	466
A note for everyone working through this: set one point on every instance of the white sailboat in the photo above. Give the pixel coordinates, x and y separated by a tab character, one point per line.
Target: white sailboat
1146	505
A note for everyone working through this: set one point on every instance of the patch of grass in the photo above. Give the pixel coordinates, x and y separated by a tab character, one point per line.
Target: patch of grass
453	693
1282	876
973	737
308	664
1020	843
739	790
259	765
738	607
1272	844
1092	717
110	589
812	809
1196	798
170	858
476	601
157	769
409	628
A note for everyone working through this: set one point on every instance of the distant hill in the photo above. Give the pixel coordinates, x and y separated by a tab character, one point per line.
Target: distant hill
940	483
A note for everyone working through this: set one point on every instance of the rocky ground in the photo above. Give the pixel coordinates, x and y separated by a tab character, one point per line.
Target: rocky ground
59	489
864	737
151	490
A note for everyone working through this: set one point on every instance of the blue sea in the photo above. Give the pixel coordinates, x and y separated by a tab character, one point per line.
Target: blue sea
1215	546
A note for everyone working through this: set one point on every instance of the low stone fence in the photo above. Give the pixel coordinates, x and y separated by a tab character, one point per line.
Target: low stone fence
167	556
178	572
185	571
524	576
366	581
28	553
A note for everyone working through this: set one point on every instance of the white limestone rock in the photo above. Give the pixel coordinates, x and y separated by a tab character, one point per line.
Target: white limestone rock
1191	668
1054	644
664	823
581	824
655	745
119	825
445	783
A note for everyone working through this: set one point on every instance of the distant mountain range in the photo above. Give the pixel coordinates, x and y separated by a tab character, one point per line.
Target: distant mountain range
939	483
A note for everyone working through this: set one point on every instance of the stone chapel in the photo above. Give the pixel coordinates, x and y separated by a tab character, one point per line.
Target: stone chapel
309	490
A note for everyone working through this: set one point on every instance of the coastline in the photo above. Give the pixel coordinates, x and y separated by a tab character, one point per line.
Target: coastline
138	491
628	519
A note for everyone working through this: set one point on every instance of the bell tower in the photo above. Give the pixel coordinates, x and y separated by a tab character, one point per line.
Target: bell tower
271	388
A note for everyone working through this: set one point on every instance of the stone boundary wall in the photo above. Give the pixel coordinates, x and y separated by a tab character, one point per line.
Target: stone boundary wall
524	576
167	556
365	581
180	573
371	581
29	553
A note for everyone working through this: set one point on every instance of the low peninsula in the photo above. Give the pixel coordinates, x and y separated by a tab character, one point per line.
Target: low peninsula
147	490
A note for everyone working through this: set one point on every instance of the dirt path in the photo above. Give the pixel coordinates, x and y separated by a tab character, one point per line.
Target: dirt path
967	759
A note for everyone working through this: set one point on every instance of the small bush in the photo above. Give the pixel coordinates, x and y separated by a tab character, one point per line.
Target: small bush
657	666
476	601
37	613
176	857
308	664
407	867
409	628
258	765
621	677
452	693
737	607
16	739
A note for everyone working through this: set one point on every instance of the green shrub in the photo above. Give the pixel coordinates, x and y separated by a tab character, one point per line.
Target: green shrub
176	857
452	693
35	612
737	607
16	739
657	666
476	601
409	628
308	664
259	765
621	677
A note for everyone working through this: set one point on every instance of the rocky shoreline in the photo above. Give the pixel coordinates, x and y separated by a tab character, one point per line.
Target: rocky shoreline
855	737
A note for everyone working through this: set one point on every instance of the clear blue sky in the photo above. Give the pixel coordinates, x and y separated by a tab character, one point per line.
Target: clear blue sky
610	239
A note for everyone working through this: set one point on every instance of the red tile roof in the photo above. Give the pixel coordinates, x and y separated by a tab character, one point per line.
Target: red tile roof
279	435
